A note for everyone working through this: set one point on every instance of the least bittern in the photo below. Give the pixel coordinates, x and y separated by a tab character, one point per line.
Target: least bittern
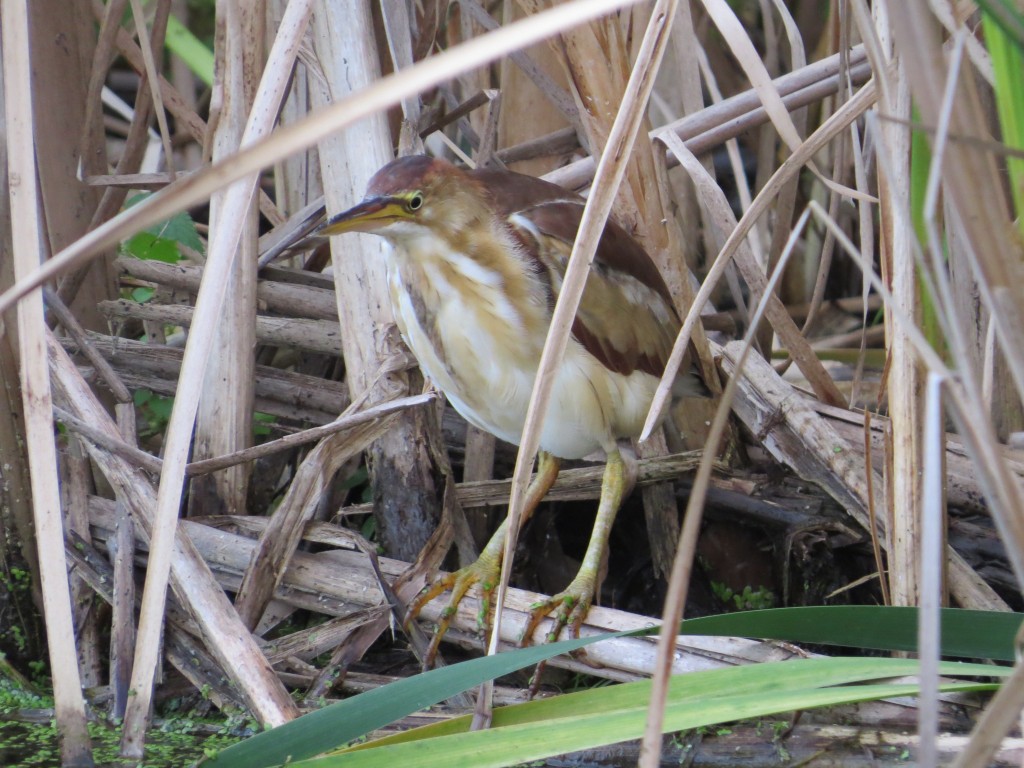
477	263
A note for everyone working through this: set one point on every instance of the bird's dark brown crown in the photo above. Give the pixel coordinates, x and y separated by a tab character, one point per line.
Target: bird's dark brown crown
409	173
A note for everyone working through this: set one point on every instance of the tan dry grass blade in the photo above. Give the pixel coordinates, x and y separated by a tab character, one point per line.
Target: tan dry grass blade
750	60
390	90
839	121
26	229
682	567
997	720
610	171
718	207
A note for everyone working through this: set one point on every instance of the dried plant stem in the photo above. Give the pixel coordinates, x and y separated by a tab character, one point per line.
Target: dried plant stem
333	582
999	717
682	567
610	172
389	90
224	418
139	16
932	569
222	633
27	230
836	123
277	707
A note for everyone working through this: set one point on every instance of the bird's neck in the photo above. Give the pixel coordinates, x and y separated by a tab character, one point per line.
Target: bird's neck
485	272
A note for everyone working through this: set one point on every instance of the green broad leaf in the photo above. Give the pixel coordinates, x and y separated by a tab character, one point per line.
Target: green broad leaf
965	633
589	719
515	745
147	246
163	237
869	627
261	423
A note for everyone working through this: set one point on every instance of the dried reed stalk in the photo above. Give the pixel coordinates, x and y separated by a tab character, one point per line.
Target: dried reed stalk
224	416
26	228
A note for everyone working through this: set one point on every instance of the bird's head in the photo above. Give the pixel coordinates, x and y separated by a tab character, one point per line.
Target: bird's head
413	197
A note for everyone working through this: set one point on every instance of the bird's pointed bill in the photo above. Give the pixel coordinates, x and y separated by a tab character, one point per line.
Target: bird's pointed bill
369	215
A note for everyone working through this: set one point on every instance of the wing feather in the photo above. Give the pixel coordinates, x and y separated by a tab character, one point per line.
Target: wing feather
625	318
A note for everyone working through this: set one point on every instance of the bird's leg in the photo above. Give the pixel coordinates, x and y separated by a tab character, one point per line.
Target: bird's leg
487	568
573	603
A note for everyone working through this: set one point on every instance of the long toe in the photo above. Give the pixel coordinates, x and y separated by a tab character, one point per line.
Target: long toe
567	608
485	572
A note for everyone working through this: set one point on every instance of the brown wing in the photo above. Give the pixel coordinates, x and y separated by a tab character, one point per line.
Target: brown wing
625	318
511	192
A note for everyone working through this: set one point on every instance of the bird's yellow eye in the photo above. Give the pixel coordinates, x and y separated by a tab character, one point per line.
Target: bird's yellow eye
415	201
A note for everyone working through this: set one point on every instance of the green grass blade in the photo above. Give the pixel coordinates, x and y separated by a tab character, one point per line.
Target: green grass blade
965	633
755	680
973	634
191	49
1008	68
353	718
516	739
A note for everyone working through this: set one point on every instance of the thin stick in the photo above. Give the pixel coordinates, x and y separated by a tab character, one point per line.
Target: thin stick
930	565
679	581
153	77
388	91
610	171
103	368
100	438
26	232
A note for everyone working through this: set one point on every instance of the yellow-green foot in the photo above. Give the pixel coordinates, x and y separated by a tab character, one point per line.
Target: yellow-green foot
485	572
568	609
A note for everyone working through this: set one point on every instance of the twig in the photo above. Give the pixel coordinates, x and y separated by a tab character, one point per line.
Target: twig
71	324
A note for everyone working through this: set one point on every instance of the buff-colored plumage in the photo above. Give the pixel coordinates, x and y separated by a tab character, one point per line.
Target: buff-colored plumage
477	264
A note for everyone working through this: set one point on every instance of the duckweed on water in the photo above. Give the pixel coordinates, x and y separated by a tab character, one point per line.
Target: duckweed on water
34	745
28	735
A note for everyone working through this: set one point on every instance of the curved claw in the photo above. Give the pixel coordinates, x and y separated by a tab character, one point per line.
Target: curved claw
572	606
484	571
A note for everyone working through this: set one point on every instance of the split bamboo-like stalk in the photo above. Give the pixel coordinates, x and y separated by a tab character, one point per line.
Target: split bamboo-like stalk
26	226
224	417
905	384
402	467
